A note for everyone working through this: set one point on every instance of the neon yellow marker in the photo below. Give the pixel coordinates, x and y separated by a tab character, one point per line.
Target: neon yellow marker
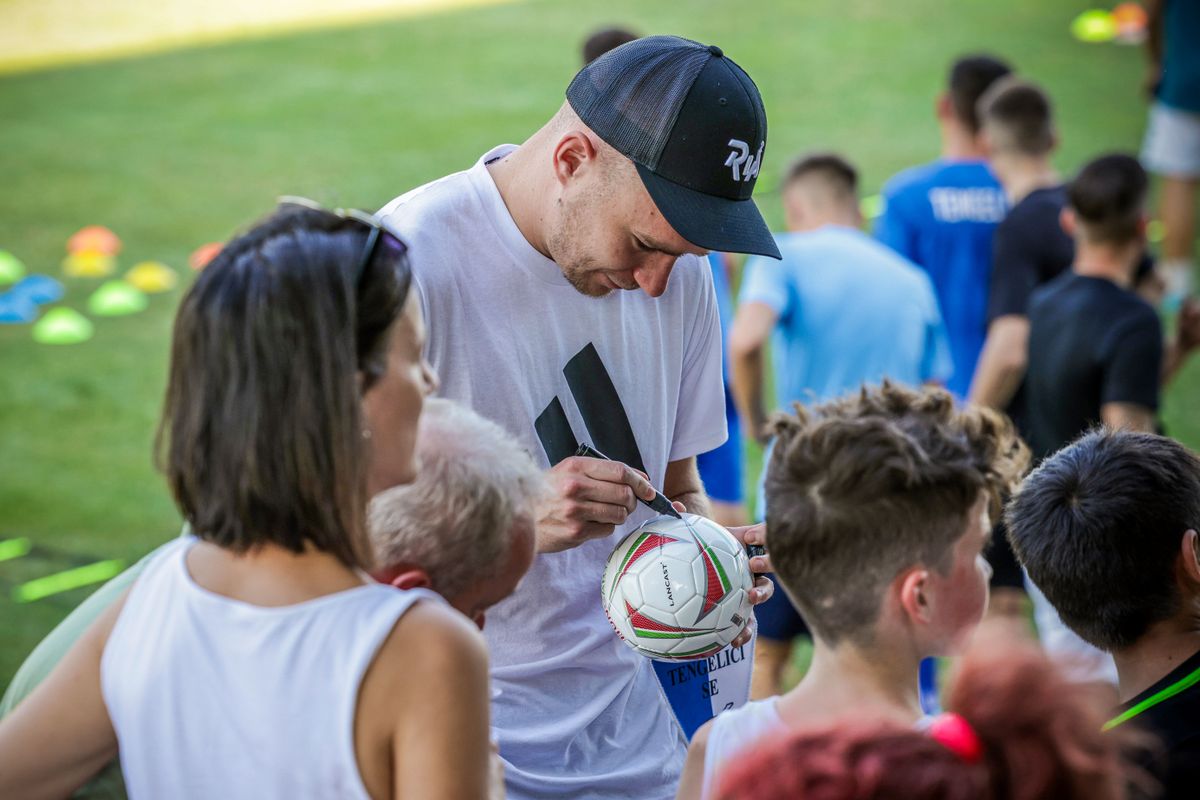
66	581
14	548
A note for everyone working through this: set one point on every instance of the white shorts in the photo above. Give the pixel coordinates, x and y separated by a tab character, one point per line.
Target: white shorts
1172	145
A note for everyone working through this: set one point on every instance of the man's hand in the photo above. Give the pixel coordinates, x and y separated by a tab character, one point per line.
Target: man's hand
763	586
589	498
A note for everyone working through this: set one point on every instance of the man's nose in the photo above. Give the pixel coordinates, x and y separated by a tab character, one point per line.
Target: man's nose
652	277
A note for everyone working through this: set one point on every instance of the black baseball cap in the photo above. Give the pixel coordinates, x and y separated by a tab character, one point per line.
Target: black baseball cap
693	123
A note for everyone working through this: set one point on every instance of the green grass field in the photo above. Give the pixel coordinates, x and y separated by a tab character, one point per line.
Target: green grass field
178	149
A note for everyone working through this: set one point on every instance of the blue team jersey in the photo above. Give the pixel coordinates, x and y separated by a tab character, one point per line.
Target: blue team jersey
942	216
716	265
850	312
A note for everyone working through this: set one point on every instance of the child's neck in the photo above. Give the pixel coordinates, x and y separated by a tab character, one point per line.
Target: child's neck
1021	175
1167	645
881	681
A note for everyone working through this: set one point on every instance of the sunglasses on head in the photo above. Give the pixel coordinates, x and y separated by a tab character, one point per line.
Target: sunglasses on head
377	229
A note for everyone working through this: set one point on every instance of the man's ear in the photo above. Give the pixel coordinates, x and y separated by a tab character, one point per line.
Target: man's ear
1189	555
574	152
914	594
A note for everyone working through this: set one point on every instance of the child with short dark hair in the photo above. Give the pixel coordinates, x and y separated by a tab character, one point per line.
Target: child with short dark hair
877	512
1107	529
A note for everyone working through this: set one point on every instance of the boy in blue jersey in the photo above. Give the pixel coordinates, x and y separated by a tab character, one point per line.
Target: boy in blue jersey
942	215
843	310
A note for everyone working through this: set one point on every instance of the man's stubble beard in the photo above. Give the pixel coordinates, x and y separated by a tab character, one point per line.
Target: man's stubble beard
564	243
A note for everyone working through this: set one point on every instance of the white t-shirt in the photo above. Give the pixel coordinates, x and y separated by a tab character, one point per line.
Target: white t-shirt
577	713
734	731
214	697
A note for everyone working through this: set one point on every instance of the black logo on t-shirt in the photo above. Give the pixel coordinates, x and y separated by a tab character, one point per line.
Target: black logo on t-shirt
602	411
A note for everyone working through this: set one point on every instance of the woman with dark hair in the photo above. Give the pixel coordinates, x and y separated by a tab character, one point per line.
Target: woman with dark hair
1016	730
254	659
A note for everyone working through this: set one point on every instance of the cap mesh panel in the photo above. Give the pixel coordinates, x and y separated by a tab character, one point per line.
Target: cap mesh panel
631	96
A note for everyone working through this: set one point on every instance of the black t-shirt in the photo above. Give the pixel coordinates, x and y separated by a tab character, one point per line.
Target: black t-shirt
1175	721
1029	249
1090	343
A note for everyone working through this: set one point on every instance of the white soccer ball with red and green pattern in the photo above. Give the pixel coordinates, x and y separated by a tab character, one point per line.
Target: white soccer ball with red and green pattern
678	589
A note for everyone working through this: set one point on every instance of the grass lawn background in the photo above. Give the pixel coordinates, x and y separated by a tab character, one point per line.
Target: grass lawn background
178	149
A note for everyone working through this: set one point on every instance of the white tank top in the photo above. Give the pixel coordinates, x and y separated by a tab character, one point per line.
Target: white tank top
215	698
732	731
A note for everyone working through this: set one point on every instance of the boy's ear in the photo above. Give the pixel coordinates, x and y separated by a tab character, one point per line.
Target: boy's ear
914	594
1066	219
943	108
1189	556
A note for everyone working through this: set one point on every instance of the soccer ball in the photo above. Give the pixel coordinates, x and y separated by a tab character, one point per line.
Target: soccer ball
678	589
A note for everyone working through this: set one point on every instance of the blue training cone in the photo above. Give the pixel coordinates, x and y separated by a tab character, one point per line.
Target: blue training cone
16	309
39	289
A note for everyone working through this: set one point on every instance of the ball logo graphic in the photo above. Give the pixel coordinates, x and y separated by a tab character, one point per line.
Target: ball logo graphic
677	589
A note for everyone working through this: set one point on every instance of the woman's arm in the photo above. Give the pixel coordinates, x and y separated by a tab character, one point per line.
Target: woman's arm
426	701
61	735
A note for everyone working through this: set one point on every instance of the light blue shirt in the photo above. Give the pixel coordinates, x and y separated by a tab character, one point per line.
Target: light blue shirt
851	311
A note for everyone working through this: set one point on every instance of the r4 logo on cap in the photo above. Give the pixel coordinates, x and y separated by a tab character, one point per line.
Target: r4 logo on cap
741	155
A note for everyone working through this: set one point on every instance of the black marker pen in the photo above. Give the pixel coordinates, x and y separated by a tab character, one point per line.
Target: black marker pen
660	503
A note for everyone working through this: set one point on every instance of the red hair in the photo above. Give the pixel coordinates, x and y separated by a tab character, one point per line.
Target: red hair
1040	734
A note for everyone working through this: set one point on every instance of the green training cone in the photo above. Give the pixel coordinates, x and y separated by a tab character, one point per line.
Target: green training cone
63	325
11	268
117	298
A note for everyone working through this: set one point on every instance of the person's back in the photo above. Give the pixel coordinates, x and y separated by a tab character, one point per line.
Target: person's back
1091	342
854	313
1031	250
942	216
1095	347
179	652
